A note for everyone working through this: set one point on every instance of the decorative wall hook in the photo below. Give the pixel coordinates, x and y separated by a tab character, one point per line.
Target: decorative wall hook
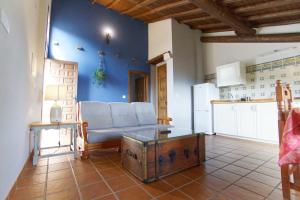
118	55
79	48
101	53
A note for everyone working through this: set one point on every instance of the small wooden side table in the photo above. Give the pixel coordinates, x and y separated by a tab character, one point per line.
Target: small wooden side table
37	127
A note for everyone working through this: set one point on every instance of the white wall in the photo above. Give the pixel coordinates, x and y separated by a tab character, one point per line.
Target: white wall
21	64
159	42
159	38
215	54
183	70
187	68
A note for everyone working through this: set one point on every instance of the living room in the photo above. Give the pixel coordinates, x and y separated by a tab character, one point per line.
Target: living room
149	99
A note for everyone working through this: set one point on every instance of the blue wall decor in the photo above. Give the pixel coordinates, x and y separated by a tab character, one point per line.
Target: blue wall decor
76	22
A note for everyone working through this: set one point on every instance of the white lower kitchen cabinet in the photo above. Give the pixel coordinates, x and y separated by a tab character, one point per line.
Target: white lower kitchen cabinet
225	119
267	122
247	120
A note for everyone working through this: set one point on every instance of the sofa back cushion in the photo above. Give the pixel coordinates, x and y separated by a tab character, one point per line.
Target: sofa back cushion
123	115
97	114
145	113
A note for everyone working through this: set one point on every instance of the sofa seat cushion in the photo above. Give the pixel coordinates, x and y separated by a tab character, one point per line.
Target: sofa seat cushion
123	115
158	126
146	127
97	114
145	113
104	135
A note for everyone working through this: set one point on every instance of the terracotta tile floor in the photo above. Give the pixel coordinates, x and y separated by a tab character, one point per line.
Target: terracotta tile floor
234	170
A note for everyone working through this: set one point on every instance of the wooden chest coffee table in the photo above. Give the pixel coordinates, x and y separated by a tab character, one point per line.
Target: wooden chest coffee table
151	154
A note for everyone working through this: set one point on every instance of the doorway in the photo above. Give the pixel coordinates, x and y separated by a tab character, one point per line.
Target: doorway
62	74
138	86
162	100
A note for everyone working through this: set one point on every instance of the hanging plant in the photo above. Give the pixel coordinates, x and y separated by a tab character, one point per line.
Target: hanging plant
100	74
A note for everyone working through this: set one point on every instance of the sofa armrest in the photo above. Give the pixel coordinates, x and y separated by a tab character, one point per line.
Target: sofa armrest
83	134
166	120
83	130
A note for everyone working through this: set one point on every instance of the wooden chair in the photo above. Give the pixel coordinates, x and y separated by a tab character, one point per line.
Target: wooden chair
289	172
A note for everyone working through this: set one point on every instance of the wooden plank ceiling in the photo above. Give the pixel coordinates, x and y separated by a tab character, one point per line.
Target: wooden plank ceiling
241	16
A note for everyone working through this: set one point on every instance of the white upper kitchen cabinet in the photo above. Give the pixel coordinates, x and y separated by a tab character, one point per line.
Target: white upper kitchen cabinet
246	120
296	104
225	119
231	74
267	122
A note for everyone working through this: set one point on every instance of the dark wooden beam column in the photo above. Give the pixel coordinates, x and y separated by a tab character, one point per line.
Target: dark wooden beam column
224	16
264	38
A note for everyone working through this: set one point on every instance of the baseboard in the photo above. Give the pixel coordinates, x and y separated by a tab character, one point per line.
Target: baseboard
249	139
11	192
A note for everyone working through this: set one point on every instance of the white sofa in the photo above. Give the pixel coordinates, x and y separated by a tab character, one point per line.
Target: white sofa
106	122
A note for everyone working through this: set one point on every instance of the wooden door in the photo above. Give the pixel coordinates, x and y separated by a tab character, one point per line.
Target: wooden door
140	89
162	101
138	86
62	73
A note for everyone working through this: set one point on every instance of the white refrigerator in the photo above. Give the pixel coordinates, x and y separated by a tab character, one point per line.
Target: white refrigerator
203	113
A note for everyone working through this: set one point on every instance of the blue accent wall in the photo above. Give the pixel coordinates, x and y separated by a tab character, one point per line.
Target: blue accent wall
79	23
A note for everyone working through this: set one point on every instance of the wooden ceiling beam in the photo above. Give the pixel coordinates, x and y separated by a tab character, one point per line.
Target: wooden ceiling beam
278	23
112	4
209	26
215	30
144	3
224	16
197	19
163	7
286	13
177	14
264	38
265	5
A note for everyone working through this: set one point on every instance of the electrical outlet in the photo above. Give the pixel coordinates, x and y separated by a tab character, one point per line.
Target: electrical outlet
4	21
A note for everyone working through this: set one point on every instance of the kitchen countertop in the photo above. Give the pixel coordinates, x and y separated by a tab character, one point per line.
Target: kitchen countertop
224	101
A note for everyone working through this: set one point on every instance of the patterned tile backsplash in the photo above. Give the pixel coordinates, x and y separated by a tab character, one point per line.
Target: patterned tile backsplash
261	79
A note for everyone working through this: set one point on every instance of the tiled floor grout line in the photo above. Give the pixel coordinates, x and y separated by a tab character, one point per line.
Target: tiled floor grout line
242	176
75	179
195	180
254	170
105	182
260	163
46	183
220	191
175	188
152	197
275	188
101	197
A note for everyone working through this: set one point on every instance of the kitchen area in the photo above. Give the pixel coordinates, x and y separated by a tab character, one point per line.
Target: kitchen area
241	102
